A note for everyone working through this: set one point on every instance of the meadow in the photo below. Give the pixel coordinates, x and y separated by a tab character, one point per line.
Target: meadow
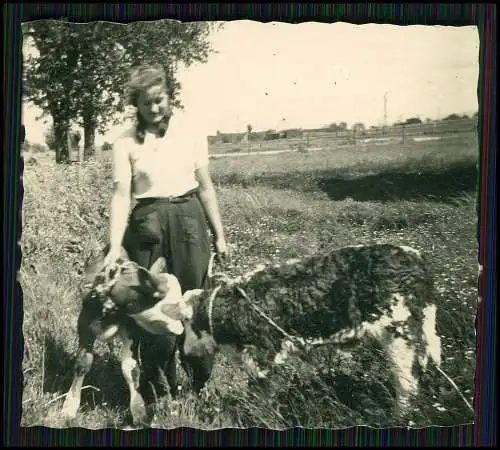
274	207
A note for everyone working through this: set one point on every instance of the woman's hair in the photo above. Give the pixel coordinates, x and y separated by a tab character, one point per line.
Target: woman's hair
142	78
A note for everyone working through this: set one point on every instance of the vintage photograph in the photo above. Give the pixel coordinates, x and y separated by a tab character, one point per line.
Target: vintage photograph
243	224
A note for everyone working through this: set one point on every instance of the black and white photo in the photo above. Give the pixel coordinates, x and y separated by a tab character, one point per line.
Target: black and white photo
243	224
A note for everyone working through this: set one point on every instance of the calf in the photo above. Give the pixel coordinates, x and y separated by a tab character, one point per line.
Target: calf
142	307
339	298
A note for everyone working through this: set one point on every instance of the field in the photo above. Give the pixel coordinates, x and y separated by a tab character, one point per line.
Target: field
328	139
274	207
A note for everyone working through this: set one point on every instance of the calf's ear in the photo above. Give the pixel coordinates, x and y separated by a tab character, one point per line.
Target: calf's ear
192	294
147	281
159	266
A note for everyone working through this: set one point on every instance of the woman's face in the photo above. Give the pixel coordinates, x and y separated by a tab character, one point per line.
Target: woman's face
153	104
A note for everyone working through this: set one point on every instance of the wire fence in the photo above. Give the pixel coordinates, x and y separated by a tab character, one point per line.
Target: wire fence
312	139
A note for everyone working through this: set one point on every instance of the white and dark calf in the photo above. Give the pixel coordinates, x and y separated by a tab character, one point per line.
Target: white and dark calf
145	309
383	292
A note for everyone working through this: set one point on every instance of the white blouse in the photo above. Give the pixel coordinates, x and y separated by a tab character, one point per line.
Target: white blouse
160	167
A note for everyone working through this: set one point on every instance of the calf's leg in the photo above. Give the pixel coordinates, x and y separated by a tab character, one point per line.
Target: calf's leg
171	374
197	365
157	354
131	373
83	363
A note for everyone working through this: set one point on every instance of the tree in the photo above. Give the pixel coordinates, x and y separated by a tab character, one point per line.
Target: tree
48	80
452	117
69	77
358	127
413	121
342	126
249	128
81	69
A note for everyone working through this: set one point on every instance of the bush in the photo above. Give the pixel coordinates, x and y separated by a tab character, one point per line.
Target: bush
107	147
34	148
271	135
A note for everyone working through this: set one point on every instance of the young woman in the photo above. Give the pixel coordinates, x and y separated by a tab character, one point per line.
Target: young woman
163	163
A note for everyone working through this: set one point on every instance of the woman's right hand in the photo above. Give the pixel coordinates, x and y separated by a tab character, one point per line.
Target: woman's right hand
111	258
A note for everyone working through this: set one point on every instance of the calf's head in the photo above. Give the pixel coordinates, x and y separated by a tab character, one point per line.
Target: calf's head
133	288
151	297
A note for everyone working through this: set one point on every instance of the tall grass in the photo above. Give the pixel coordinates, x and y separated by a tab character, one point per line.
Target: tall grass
274	207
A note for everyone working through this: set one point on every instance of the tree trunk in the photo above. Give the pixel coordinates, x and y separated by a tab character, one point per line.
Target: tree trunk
61	142
89	128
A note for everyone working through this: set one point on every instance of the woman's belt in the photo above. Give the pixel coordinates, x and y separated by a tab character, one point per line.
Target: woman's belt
172	199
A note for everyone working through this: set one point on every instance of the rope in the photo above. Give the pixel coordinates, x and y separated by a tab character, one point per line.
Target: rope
298	340
210	308
441	371
211	265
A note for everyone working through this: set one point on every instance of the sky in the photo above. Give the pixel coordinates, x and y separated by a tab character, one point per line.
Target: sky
278	76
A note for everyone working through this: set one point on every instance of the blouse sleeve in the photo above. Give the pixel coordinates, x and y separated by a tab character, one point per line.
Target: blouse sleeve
200	152
122	171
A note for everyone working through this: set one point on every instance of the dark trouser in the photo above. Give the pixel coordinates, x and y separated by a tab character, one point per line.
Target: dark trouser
178	232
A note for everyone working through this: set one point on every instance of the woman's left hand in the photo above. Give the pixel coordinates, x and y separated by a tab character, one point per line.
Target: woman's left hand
222	250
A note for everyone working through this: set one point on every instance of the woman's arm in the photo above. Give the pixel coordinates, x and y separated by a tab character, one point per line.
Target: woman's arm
120	208
120	201
208	200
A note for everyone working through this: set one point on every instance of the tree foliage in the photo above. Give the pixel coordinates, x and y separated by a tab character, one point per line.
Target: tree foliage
342	126
80	72
452	117
413	121
359	127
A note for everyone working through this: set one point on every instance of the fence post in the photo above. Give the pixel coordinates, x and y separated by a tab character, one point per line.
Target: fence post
403	134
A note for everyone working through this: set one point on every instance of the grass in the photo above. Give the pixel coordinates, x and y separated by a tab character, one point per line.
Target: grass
274	207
